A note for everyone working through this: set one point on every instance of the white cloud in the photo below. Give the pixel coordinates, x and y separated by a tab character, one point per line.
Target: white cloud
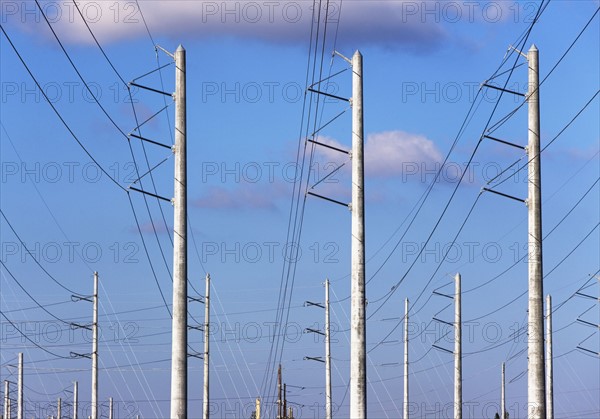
390	153
386	23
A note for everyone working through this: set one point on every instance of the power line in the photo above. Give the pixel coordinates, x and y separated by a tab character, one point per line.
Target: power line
31	296
57	113
30	340
35	259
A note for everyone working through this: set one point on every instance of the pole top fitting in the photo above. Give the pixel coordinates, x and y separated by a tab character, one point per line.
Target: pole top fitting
180	48
533	48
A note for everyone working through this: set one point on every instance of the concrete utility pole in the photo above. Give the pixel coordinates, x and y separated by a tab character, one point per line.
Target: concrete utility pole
205	400
59	409
457	350
179	344
6	399
95	351
20	388
284	401
328	404
405	405
258	408
503	393
110	408
75	399
536	385
358	343
549	366
279	399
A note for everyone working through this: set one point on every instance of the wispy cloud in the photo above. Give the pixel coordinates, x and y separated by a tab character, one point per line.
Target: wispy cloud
149	228
242	196
388	155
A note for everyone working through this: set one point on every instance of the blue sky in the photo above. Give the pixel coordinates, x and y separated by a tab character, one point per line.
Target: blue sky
424	63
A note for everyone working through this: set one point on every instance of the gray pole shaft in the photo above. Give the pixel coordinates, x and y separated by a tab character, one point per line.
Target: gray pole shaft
59	409
179	348
6	399
75	399
328	404
279	398
405	405
110	408
284	401
457	350
549	366
20	388
536	386
358	347
503	393
95	351
205	400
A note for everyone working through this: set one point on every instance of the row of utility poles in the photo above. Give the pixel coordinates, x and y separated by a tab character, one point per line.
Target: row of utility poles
538	401
93	356
7	411
539	376
358	376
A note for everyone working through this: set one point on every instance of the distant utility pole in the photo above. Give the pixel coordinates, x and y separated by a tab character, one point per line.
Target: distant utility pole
59	408
6	399
549	367
279	399
20	388
405	406
503	392
205	400
327	361
95	351
536	385
258	408
75	399
457	350
110	408
284	401
358	345
328	403
179	332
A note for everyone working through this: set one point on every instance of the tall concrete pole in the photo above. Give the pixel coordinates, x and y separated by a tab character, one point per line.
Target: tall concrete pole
536	385
6	399
258	408
405	405
95	351
75	399
59	409
358	345
205	400
503	393
328	404
110	408
549	366
179	344
457	351
20	388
